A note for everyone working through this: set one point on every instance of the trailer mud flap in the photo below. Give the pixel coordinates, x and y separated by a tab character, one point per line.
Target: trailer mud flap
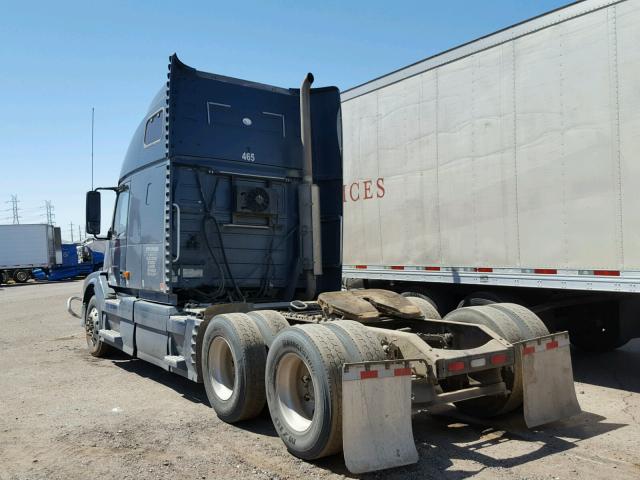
376	416
547	378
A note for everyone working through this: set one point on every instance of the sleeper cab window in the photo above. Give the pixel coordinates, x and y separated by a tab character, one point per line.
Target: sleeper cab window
153	129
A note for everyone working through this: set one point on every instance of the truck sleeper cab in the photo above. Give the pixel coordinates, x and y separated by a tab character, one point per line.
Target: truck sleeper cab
224	266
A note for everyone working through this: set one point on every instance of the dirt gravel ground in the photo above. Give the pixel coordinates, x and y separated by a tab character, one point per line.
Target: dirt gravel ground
66	415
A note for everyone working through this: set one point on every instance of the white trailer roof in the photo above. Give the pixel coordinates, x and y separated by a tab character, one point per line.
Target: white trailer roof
526	27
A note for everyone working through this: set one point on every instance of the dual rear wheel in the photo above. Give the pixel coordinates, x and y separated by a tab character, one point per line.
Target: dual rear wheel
514	323
248	361
252	359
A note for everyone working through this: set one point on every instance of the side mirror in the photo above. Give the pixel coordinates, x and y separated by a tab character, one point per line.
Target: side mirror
93	210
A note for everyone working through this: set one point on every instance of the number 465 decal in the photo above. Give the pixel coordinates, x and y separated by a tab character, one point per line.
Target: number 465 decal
249	156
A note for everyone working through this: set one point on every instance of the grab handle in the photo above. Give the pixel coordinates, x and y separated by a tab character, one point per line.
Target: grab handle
175	205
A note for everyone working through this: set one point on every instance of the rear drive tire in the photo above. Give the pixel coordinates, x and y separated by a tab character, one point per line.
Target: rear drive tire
424	303
269	322
21	276
513	323
97	347
233	358
304	390
360	343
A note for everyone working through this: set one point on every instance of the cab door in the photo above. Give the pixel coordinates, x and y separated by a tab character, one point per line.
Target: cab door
118	242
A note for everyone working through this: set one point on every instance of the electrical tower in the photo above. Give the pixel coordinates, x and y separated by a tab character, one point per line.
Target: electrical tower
49	212
14	209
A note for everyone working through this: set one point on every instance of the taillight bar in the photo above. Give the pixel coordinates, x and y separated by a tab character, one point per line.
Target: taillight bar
459	366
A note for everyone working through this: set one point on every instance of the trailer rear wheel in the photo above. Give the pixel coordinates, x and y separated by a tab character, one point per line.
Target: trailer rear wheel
596	330
424	303
97	347
304	390
477	299
514	323
233	359
21	276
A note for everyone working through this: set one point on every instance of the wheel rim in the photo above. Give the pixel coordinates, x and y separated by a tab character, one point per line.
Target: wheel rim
21	276
295	392
222	370
91	326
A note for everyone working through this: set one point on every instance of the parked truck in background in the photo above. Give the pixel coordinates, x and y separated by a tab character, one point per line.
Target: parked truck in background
78	260
507	169
223	266
24	247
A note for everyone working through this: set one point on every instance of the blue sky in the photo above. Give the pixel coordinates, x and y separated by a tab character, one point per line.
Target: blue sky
59	59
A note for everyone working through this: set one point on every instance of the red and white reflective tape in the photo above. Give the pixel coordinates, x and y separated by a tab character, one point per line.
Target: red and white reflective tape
549	343
381	370
497	270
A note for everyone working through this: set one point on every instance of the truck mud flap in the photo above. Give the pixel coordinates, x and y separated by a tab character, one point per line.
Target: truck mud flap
376	415
547	377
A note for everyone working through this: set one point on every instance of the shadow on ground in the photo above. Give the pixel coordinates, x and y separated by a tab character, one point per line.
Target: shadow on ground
614	369
441	438
449	438
189	390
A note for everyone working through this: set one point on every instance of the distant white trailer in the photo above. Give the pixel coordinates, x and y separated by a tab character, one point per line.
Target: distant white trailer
28	246
511	161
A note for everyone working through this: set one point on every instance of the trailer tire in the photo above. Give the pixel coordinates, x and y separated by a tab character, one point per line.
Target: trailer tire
269	323
513	323
597	343
424	303
478	299
304	390
21	276
233	358
598	334
360	343
97	347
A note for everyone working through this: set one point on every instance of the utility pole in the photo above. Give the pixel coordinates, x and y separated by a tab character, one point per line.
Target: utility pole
49	212
14	209
71	230
79	234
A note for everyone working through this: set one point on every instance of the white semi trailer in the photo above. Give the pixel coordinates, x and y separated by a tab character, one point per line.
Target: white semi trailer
507	169
24	247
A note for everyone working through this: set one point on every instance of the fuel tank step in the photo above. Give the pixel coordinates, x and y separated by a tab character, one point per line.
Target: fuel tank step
175	361
110	336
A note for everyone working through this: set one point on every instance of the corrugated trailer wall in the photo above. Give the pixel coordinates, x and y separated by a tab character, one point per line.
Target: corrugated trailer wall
524	154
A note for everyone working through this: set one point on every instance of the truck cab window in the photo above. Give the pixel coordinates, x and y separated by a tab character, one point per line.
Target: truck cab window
119	229
153	129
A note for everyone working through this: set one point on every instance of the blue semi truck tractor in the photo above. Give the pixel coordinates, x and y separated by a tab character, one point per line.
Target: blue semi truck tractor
223	265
